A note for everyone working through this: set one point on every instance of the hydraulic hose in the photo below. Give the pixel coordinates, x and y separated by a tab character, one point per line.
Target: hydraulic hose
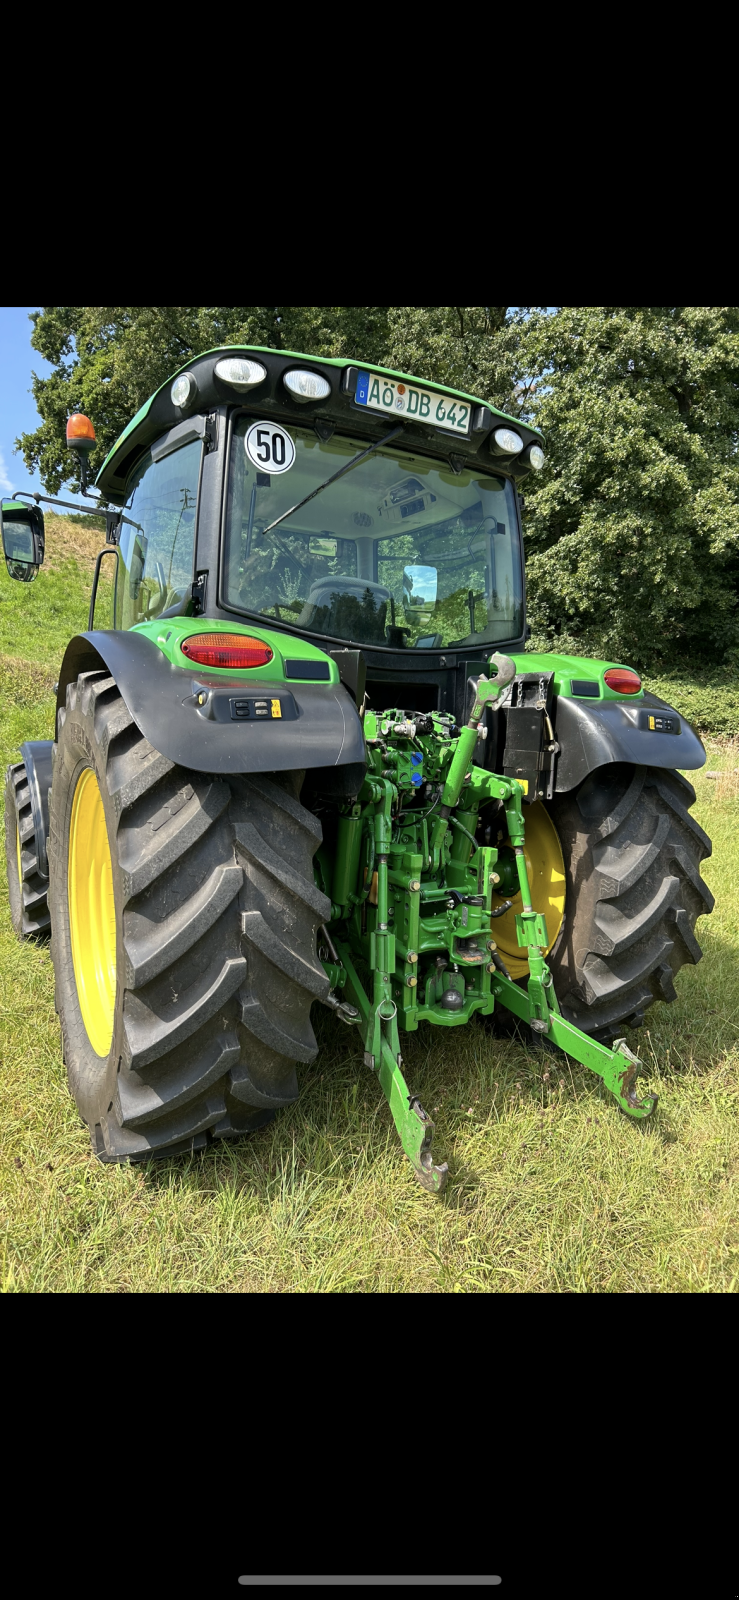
359	899
455	823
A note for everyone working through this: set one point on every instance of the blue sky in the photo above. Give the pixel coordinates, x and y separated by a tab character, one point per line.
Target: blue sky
18	412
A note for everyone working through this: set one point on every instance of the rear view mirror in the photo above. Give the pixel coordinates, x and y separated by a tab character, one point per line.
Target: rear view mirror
22	530
320	546
419	586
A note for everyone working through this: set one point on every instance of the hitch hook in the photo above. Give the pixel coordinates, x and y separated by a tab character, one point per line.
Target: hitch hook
431	1176
628	1082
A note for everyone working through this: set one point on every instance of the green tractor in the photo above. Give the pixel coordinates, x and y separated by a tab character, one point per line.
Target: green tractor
311	761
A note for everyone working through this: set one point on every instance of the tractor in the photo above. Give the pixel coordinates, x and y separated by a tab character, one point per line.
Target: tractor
309	760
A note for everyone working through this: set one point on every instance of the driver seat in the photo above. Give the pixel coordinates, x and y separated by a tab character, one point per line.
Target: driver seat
330	595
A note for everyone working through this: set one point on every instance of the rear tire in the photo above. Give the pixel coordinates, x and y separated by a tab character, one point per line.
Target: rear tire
27	887
216	915
632	856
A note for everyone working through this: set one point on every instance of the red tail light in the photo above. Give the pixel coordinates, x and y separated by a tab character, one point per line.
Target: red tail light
622	680
235	650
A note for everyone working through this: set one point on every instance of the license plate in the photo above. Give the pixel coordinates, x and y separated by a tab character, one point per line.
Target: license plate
400	399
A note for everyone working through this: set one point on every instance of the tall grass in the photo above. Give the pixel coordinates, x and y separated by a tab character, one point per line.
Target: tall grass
551	1189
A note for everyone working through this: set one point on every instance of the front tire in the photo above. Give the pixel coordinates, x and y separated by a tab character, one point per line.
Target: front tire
214	918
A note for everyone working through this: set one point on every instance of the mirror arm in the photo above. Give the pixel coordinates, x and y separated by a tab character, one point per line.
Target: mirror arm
112	518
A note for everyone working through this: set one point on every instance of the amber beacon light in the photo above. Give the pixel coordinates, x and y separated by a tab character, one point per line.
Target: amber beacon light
80	433
81	439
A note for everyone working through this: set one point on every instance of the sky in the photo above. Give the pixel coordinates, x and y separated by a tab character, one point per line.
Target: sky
18	412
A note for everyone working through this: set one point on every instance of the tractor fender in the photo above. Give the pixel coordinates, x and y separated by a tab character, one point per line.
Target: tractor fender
591	736
319	726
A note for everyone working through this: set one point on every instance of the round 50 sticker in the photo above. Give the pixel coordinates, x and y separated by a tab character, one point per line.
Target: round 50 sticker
269	447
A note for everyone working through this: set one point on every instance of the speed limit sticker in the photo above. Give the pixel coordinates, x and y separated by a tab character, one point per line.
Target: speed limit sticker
269	447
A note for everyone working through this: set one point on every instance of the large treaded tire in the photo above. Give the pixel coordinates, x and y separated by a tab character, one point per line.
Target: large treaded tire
632	856
216	919
28	894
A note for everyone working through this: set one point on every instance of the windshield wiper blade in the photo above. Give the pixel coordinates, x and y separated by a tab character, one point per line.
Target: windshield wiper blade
332	479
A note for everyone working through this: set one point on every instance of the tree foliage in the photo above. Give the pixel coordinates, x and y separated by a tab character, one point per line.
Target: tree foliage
633	528
633	531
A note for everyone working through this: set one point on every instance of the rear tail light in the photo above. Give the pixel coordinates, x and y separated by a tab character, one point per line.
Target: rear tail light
622	681
235	650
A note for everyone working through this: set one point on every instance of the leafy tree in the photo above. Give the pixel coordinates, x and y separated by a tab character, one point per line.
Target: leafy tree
633	531
109	359
475	348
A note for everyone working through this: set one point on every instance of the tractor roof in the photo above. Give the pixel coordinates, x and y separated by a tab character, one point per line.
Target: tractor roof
271	398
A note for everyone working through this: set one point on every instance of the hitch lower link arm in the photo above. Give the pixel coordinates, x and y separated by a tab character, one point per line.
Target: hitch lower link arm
539	1006
378	1016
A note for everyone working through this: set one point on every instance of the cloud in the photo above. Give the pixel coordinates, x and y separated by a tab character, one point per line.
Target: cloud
6	486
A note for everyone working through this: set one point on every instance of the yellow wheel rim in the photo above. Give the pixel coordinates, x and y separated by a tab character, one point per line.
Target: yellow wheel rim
92	912
546	871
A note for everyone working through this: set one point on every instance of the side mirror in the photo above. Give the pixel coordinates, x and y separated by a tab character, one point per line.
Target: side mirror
22	529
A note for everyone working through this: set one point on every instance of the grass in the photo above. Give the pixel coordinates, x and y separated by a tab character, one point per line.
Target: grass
710	700
551	1189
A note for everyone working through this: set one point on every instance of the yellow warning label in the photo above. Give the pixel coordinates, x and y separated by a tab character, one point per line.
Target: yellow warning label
276	708
651	722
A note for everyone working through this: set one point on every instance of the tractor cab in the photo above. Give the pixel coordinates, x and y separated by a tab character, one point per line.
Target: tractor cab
353	508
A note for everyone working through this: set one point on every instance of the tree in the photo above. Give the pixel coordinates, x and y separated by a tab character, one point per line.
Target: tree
109	359
633	531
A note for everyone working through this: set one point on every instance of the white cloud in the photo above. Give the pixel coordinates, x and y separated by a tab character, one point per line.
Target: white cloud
6	487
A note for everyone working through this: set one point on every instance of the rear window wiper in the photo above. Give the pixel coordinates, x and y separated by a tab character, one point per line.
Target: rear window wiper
332	479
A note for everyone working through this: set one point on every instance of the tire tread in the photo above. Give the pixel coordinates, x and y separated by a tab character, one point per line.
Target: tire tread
635	891
218	920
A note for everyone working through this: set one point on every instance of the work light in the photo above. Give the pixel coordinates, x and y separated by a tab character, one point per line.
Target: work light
183	389
536	457
506	442
239	373
307	385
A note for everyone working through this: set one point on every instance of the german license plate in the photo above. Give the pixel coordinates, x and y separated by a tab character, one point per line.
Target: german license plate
405	400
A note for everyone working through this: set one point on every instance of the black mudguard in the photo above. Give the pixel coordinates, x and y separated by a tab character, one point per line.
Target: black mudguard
591	736
319	728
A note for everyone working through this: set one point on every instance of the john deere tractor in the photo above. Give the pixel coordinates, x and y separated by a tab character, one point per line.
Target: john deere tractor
309	761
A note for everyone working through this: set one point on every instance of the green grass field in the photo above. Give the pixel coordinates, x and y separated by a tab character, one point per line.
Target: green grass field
551	1189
